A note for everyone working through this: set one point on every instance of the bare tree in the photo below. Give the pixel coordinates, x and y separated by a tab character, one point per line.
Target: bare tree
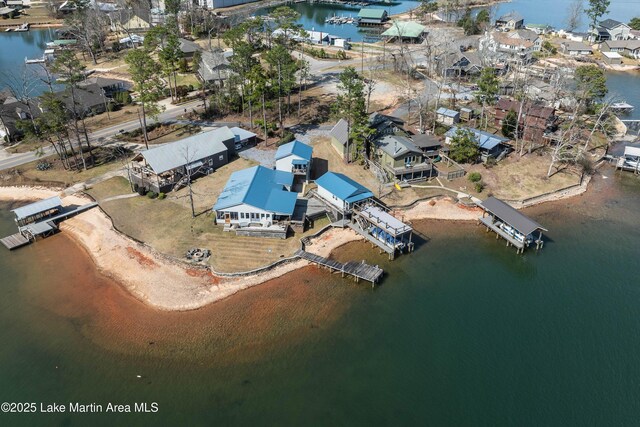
575	11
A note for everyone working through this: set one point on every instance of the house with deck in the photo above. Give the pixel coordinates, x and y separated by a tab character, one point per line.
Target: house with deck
510	21
295	157
257	201
490	145
629	48
516	45
460	64
609	29
167	167
428	144
401	159
341	192
572	48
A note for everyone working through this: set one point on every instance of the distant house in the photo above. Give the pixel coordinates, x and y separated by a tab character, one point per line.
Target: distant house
370	16
87	100
340	140
576	48
214	67
624	47
429	144
447	116
515	45
609	29
135	22
535	119
406	32
460	64
109	86
490	145
539	28
295	157
218	4
612	58
188	48
162	168
13	111
256	197
402	159
510	21
341	191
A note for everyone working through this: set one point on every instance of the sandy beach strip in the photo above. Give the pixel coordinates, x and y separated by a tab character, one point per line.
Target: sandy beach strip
169	284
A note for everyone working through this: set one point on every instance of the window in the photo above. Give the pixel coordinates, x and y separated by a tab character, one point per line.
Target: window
210	162
242	215
221	157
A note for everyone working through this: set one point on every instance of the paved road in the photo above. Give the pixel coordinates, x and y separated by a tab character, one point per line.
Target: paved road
99	137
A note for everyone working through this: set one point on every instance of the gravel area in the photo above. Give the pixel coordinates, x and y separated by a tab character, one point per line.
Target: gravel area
265	157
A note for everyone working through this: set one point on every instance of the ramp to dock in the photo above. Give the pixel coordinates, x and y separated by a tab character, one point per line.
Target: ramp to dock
14	241
359	270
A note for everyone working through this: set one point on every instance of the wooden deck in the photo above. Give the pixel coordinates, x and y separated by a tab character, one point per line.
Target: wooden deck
500	232
359	270
14	241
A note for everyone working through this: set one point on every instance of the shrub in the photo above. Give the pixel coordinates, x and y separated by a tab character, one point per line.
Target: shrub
152	195
479	186
474	177
288	137
161	196
43	165
123	97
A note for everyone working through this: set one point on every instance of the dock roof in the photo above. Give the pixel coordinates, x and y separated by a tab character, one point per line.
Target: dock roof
261	188
188	150
294	148
385	221
372	13
405	29
511	216
343	187
37	207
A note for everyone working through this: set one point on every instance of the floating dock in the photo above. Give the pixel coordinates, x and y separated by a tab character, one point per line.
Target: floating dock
359	270
14	241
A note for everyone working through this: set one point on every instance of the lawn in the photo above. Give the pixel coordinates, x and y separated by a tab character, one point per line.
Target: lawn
168	227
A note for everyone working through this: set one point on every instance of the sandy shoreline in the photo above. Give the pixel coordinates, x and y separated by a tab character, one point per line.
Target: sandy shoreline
169	284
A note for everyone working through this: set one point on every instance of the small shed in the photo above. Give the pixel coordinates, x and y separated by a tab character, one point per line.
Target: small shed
447	116
340	140
612	58
466	114
38	210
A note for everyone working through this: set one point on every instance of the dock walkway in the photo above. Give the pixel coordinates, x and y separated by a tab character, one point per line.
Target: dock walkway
359	270
14	241
355	227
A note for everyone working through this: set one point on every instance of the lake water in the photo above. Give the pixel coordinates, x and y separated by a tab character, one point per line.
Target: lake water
14	48
461	332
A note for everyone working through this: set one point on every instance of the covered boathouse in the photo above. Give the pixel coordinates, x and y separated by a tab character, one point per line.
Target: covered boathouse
389	233
517	229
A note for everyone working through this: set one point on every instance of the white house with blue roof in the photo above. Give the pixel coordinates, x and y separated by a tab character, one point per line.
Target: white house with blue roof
490	145
295	157
341	191
256	197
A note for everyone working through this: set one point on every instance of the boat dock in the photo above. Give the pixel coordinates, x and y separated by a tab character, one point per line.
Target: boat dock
14	241
359	270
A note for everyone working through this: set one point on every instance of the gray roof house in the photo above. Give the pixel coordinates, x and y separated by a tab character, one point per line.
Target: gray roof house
610	29
401	159
163	168
511	21
339	135
188	48
214	66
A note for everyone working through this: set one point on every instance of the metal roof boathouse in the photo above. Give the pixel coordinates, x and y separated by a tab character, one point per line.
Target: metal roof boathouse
507	222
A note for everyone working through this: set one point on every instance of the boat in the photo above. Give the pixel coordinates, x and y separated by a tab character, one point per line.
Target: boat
8	30
34	61
22	28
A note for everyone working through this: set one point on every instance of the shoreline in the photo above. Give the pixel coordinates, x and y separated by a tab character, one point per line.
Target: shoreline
166	283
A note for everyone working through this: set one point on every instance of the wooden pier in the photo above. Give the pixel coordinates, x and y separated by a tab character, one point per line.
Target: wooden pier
359	270
14	241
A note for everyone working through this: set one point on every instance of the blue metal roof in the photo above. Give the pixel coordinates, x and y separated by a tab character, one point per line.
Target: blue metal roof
486	140
261	188
299	162
295	148
343	187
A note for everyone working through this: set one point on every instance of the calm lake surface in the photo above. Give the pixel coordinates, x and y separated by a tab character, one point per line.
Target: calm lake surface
14	48
462	332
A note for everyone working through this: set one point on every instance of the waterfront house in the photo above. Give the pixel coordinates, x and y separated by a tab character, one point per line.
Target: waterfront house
516	45
372	16
510	21
161	169
490	145
536	120
109	86
257	198
341	192
295	157
86	100
540	29
405	32
612	58
339	135
460	64
401	159
609	29
428	144
629	48
447	116
576	48
215	67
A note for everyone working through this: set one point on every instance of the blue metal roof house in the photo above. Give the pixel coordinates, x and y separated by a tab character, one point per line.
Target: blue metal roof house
295	157
341	191
256	196
490	145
